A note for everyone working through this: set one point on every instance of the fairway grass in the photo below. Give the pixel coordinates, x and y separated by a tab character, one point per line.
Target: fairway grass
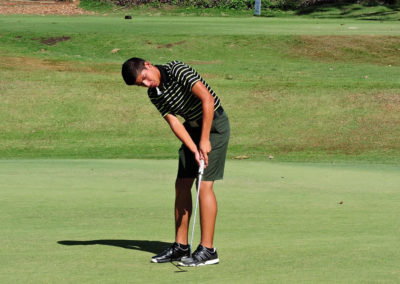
193	26
100	221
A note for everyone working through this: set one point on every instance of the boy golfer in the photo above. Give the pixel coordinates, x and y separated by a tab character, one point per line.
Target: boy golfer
177	89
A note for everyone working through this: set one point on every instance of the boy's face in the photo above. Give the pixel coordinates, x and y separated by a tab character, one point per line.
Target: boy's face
149	77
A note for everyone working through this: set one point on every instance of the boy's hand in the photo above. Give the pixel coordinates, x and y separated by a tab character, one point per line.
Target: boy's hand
205	149
197	157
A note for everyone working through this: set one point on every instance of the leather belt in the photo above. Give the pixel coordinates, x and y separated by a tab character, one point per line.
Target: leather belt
197	123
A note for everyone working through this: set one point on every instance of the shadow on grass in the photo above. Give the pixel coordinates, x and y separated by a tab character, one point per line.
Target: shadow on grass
149	246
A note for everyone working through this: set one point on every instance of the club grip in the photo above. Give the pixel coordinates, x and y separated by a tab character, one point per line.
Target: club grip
201	167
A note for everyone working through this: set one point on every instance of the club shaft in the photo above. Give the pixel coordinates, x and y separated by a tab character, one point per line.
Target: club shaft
197	202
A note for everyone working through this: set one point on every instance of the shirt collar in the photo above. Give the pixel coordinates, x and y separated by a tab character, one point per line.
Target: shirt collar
164	75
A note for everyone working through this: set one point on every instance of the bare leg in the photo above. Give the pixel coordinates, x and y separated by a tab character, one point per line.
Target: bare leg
208	213
183	209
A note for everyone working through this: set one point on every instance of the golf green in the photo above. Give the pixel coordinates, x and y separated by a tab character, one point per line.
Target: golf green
100	221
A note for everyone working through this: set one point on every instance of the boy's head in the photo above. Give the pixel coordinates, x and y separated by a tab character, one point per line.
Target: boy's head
137	71
131	69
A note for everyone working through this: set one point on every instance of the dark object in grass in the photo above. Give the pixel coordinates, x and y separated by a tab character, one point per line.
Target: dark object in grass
52	40
169	45
128	17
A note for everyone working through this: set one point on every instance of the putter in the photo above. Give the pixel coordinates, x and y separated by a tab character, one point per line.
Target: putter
200	175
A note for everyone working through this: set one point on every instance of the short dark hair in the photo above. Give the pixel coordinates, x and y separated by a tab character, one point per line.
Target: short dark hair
131	69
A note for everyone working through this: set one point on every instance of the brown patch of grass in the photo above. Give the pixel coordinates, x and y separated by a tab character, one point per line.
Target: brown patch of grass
262	97
381	50
166	45
211	76
390	102
32	8
52	40
169	45
384	102
377	128
29	63
357	123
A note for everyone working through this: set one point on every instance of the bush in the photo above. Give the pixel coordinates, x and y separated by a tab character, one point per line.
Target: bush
249	4
298	4
228	4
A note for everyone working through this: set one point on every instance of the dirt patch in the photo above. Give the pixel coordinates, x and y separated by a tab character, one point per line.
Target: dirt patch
29	63
166	45
381	50
379	98
210	76
41	8
169	45
52	40
390	102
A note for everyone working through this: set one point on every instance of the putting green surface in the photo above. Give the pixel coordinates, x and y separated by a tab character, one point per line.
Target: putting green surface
100	221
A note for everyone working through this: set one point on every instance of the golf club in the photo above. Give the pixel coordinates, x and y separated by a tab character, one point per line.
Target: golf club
200	175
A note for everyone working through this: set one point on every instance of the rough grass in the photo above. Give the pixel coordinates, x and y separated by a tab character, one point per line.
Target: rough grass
296	97
381	50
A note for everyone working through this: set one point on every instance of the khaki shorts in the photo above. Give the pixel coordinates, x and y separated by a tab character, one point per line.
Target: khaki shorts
219	138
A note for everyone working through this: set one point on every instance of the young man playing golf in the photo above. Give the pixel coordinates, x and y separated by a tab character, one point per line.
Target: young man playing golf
177	89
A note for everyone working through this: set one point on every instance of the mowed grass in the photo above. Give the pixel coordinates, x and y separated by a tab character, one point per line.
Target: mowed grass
296	88
91	221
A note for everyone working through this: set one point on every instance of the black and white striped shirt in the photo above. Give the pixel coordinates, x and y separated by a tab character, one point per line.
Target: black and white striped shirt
174	95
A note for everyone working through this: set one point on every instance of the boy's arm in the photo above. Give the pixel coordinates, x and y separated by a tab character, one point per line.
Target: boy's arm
207	100
180	132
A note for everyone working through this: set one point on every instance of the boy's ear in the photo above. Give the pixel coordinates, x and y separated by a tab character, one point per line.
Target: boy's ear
147	64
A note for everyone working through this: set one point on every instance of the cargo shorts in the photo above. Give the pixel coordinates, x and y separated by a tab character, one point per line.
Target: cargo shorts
219	139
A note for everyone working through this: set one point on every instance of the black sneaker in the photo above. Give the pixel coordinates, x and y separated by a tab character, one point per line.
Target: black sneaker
201	256
173	253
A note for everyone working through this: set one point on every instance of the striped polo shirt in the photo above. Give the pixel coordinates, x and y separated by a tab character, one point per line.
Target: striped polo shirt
174	95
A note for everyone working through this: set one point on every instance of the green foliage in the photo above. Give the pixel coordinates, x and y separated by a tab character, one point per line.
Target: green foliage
224	4
301	4
246	4
96	5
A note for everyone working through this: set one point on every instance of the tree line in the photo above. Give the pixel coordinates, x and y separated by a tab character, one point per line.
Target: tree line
249	4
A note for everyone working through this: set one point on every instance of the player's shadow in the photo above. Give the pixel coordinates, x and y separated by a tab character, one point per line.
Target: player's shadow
149	246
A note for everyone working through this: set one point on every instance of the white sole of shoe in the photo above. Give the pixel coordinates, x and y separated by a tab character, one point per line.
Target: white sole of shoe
208	262
156	261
